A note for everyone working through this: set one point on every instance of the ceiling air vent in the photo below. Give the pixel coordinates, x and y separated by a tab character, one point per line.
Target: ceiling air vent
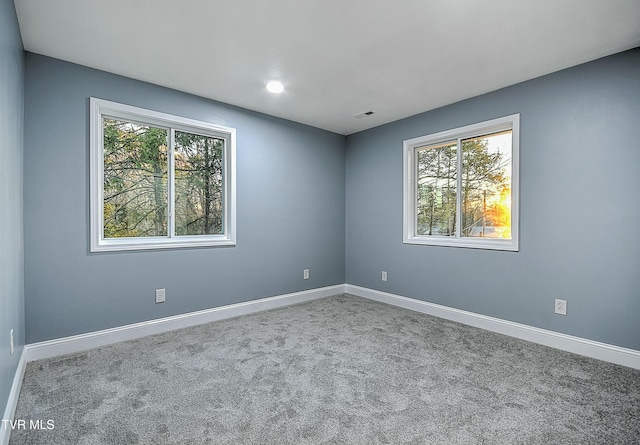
363	114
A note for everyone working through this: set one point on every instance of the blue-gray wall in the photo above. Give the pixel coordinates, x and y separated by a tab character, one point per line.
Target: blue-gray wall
290	211
11	238
579	182
579	212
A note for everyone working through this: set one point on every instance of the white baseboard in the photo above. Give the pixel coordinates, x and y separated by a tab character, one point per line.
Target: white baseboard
82	342
577	345
12	403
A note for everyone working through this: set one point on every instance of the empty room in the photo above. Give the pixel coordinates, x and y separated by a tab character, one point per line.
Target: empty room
319	222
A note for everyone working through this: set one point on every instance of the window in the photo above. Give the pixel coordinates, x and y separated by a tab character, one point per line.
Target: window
159	181
461	186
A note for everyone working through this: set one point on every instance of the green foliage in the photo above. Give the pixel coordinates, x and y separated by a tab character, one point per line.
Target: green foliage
136	181
483	177
437	170
484	180
199	185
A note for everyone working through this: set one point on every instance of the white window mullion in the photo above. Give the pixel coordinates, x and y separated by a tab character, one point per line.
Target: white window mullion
97	202
225	187
416	191
459	190
171	226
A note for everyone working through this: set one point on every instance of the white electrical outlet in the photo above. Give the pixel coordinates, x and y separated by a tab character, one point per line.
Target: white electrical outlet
306	274
11	335
160	295
561	307
384	275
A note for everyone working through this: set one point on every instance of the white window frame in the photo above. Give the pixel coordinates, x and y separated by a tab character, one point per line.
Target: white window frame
100	108
410	187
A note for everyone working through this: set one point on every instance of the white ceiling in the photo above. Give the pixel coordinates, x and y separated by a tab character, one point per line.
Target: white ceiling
336	58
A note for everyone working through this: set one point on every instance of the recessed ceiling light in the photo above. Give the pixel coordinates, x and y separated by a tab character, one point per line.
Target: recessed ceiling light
275	87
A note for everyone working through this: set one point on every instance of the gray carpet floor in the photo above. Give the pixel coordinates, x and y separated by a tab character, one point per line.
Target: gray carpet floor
339	370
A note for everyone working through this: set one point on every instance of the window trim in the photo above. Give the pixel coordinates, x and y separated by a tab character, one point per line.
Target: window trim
100	108
410	146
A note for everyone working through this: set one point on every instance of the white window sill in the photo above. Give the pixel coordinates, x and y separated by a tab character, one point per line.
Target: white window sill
469	243
124	244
